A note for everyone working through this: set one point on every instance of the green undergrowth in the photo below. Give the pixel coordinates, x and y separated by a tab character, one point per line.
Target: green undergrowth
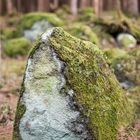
9	33
16	47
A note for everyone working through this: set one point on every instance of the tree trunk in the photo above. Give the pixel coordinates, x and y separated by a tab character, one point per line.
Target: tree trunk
43	5
1	7
83	4
133	7
54	5
100	7
19	3
118	8
10	8
124	4
109	4
96	5
73	7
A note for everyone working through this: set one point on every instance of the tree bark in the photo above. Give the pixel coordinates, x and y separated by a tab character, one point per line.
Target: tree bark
109	4
83	4
1	7
19	6
96	5
10	8
73	7
133	7
54	5
118	8
43	5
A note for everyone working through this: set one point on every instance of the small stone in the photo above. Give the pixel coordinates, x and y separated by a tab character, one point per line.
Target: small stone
126	40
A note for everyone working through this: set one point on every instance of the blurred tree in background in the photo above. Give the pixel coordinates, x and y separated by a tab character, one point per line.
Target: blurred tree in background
23	6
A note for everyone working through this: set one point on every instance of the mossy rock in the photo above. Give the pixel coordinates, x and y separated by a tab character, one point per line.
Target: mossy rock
134	28
27	21
126	65
16	47
120	24
113	54
105	39
65	75
83	32
126	40
10	32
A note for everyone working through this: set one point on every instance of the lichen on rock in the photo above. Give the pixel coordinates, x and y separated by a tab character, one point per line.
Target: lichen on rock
70	92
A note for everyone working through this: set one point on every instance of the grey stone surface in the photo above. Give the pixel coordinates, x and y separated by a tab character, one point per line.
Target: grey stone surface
48	115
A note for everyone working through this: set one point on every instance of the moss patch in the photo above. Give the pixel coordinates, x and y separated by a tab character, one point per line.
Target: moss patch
83	32
10	32
17	46
87	15
28	20
20	111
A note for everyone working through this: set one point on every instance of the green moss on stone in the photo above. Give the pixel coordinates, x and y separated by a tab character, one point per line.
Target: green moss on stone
119	24
83	32
28	20
20	111
134	28
126	40
96	88
17	46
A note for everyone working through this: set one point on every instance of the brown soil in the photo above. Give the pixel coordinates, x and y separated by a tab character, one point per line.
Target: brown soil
11	73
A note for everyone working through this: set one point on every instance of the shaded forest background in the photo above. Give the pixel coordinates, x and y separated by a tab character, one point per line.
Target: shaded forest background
10	7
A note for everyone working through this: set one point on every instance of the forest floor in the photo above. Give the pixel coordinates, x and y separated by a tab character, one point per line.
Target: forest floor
11	74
